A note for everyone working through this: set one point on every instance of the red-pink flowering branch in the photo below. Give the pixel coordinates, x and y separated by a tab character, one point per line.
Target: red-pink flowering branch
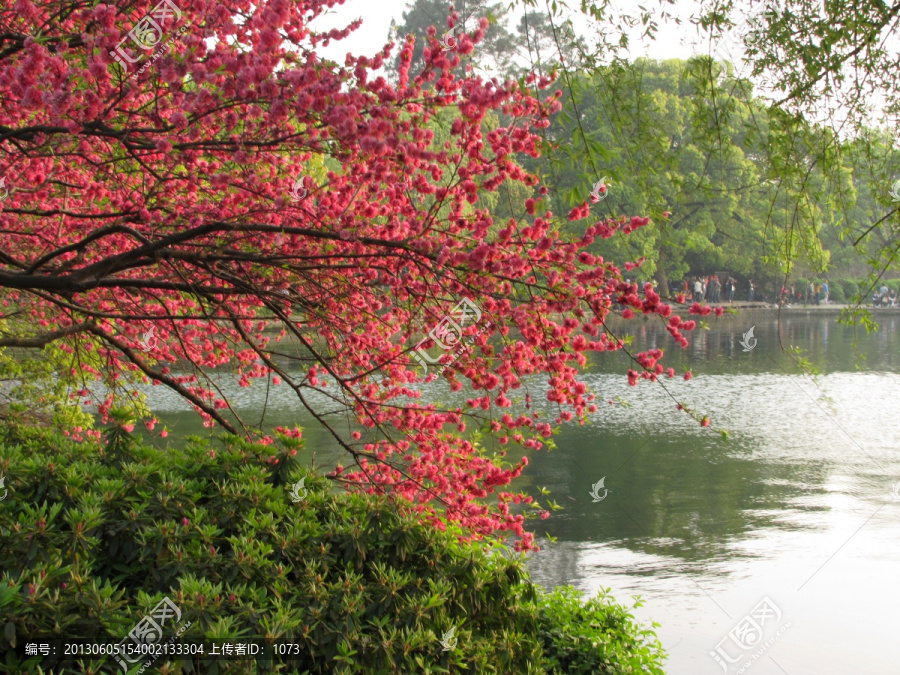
229	189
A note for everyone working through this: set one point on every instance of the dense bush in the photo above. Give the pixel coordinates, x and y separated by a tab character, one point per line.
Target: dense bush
851	289
593	637
836	292
92	538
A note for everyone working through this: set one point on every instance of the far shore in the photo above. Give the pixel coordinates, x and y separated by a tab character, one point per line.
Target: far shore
745	307
799	308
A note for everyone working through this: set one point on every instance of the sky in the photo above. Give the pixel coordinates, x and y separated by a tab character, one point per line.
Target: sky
676	38
672	41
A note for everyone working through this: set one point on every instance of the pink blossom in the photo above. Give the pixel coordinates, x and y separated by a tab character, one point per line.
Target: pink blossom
372	268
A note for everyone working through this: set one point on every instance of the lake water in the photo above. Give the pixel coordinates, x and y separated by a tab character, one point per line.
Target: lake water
779	547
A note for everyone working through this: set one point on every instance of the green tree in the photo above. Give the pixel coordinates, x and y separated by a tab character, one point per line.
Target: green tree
767	186
495	50
832	63
544	43
644	126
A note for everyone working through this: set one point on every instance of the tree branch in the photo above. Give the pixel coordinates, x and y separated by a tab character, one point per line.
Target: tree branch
42	341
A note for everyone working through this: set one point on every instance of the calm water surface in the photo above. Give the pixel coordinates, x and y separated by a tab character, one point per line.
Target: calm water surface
796	506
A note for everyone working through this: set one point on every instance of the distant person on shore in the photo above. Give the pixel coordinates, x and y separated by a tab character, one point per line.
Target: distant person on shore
825	292
818	293
892	299
685	287
698	290
810	293
731	282
750	290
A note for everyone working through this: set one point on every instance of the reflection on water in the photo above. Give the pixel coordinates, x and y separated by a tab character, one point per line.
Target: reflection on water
827	344
795	505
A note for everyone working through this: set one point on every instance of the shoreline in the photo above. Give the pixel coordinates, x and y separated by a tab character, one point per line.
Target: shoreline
800	309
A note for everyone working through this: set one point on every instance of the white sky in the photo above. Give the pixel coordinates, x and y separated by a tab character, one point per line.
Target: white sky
673	41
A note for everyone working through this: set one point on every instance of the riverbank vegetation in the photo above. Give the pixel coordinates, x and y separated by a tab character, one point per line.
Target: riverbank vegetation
95	536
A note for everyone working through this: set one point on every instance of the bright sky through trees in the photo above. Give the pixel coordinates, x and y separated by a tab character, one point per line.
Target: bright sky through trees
673	41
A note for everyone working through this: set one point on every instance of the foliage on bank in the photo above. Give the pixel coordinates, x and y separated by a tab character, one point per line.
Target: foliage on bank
92	538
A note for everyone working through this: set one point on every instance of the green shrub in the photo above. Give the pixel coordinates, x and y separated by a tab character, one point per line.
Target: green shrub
574	633
836	292
92	538
851	289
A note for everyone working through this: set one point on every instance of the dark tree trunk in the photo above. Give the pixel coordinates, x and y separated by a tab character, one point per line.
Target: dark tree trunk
662	281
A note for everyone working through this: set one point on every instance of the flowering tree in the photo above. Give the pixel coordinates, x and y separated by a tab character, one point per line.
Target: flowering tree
181	179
